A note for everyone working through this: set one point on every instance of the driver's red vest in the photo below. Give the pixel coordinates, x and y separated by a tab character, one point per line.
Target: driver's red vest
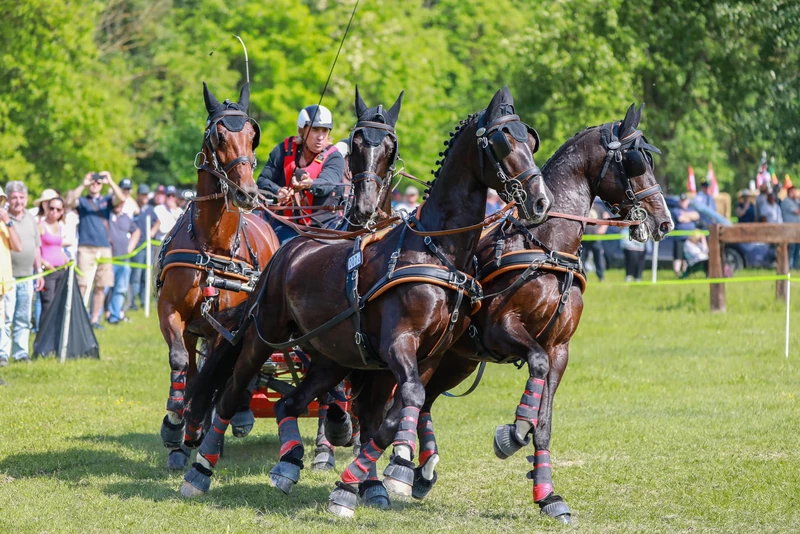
313	170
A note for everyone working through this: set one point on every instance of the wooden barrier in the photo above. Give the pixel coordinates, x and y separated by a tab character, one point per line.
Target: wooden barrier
774	233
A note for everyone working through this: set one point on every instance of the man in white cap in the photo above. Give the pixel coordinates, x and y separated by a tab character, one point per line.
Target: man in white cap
9	240
305	169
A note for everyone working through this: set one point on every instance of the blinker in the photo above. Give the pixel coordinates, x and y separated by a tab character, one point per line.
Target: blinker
500	145
634	163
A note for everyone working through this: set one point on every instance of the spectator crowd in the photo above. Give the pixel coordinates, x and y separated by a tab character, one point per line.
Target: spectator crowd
91	224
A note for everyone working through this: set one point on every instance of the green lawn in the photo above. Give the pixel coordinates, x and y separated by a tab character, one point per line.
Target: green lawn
669	419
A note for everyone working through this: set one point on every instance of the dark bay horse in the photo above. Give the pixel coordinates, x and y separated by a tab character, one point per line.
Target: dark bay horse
532	310
373	155
416	288
216	239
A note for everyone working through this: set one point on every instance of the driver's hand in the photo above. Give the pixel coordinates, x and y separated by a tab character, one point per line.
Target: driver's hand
284	194
304	183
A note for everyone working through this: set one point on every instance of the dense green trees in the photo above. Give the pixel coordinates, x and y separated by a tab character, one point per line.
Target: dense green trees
116	84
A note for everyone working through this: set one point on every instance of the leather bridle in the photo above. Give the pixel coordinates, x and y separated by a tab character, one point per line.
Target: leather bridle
211	142
494	147
633	154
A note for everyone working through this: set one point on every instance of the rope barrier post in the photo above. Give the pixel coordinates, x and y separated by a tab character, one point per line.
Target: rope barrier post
715	263
64	342
654	263
148	271
87	297
788	299
782	264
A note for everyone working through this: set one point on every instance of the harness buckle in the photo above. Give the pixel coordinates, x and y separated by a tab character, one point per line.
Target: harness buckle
392	263
358	338
202	260
428	241
203	162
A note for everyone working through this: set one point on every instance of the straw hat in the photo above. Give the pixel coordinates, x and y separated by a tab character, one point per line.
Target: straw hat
3	194
46	196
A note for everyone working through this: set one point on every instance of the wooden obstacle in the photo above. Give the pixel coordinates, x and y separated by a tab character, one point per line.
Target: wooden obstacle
774	233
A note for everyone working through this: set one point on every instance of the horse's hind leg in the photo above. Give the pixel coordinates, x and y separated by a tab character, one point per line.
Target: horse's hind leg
323	453
322	376
243	421
543	494
335	427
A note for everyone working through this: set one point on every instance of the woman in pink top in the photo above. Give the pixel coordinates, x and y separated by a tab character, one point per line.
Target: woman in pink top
53	243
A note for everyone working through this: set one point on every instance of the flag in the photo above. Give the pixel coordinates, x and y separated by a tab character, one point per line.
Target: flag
787	182
690	183
713	186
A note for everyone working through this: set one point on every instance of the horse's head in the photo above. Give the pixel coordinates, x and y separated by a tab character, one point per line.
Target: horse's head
505	151
231	138
373	153
625	179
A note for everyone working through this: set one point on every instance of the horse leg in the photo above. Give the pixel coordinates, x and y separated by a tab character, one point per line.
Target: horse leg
399	425
172	426
323	453
322	375
452	370
244	420
338	425
513	339
549	503
198	479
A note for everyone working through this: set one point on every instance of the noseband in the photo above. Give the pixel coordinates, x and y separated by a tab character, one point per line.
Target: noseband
211	142
494	146
633	153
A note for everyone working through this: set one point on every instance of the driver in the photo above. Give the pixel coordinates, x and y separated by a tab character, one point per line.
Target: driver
305	170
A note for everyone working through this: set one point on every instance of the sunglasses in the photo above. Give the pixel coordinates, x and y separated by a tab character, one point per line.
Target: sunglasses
54	208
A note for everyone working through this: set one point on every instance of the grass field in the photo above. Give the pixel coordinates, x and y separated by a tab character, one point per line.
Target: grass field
669	419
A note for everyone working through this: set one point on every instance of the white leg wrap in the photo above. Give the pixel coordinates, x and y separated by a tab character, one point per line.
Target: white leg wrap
430	467
403	451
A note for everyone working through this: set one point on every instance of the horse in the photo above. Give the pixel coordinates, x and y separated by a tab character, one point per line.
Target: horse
413	307
373	156
217	243
531	311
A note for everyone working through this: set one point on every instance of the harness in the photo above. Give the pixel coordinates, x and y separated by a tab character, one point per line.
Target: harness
313	170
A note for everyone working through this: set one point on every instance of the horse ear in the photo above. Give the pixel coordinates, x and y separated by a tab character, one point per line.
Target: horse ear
244	97
628	122
361	107
502	104
211	101
394	111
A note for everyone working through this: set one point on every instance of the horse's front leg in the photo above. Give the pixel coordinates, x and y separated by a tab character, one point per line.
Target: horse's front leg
172	427
399	428
549	502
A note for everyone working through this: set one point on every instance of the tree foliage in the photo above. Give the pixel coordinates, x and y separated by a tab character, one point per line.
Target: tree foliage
117	84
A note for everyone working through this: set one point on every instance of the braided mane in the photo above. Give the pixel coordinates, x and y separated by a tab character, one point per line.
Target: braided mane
448	145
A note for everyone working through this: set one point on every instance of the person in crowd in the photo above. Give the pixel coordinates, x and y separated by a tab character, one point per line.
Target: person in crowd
186	196
745	207
493	202
94	211
397	198
790	210
307	168
139	286
167	212
54	237
159	196
761	200
9	242
595	248
410	199
695	250
685	218
40	213
771	211
25	263
634	257
704	198
129	205
124	237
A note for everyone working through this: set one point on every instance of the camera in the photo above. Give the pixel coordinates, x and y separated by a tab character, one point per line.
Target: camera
97	177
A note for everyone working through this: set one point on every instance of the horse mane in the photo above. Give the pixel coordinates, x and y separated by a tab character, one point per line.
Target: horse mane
449	144
569	144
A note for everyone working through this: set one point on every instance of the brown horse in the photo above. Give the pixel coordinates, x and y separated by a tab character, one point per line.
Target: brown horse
413	289
374	151
216	242
530	313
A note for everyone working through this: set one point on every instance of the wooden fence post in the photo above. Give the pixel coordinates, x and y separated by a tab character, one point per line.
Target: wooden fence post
782	250
715	262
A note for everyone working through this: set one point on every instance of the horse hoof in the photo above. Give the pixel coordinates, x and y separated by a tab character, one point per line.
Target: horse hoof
339	433
422	486
559	511
374	494
242	423
506	442
324	460
342	501
171	434
399	477
178	459
284	476
195	483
